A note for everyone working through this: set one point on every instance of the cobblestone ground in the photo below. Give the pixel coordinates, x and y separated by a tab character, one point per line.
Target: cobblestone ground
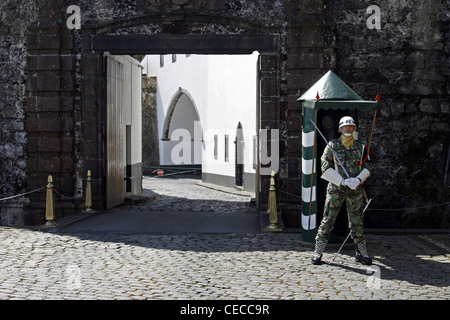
58	264
43	265
186	195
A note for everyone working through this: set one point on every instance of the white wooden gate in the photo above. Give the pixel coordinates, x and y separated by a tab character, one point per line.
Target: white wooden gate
115	193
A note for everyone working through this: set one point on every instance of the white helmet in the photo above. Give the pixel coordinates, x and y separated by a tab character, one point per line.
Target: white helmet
346	121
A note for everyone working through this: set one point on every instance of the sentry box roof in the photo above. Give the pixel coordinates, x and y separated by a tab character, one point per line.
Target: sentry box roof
330	92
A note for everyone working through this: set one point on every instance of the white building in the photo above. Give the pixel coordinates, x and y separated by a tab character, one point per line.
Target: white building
207	114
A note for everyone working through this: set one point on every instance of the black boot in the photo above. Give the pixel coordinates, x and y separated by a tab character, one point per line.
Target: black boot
317	255
361	254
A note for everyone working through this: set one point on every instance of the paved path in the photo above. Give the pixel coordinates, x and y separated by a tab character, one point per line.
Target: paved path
71	263
180	206
191	195
43	265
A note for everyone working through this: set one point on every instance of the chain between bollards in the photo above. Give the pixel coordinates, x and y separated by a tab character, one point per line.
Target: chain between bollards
49	204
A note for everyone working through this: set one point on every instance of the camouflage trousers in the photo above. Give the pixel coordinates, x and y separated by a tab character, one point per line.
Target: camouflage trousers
333	203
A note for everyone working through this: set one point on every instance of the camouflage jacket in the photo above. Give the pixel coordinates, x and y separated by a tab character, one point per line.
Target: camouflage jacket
356	152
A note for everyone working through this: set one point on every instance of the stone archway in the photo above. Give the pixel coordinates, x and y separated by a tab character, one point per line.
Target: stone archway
182	118
267	44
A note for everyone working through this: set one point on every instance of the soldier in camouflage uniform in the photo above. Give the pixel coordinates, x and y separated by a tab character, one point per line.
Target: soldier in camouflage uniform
353	157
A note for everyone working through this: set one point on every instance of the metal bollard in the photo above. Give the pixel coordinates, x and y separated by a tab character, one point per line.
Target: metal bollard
49	206
273	215
88	192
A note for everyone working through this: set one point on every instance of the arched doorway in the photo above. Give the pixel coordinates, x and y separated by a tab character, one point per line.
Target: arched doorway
182	132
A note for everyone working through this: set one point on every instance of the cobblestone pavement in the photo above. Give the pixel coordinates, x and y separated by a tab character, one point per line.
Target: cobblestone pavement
189	195
46	265
64	264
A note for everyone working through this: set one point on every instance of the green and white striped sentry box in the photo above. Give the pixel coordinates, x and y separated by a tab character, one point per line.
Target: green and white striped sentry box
329	92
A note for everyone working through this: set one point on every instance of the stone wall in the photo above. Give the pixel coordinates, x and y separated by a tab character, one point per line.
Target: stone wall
15	19
407	61
51	92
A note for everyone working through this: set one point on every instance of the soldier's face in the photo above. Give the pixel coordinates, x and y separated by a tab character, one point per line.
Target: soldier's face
348	129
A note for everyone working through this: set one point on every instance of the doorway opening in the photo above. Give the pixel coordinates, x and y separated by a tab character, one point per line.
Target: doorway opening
183	100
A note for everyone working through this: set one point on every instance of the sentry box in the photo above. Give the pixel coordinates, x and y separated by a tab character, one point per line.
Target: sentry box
324	103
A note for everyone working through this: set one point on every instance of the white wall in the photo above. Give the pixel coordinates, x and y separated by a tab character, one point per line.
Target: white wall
224	91
232	99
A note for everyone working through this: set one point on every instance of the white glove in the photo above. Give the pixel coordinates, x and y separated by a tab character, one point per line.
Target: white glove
352	183
363	175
